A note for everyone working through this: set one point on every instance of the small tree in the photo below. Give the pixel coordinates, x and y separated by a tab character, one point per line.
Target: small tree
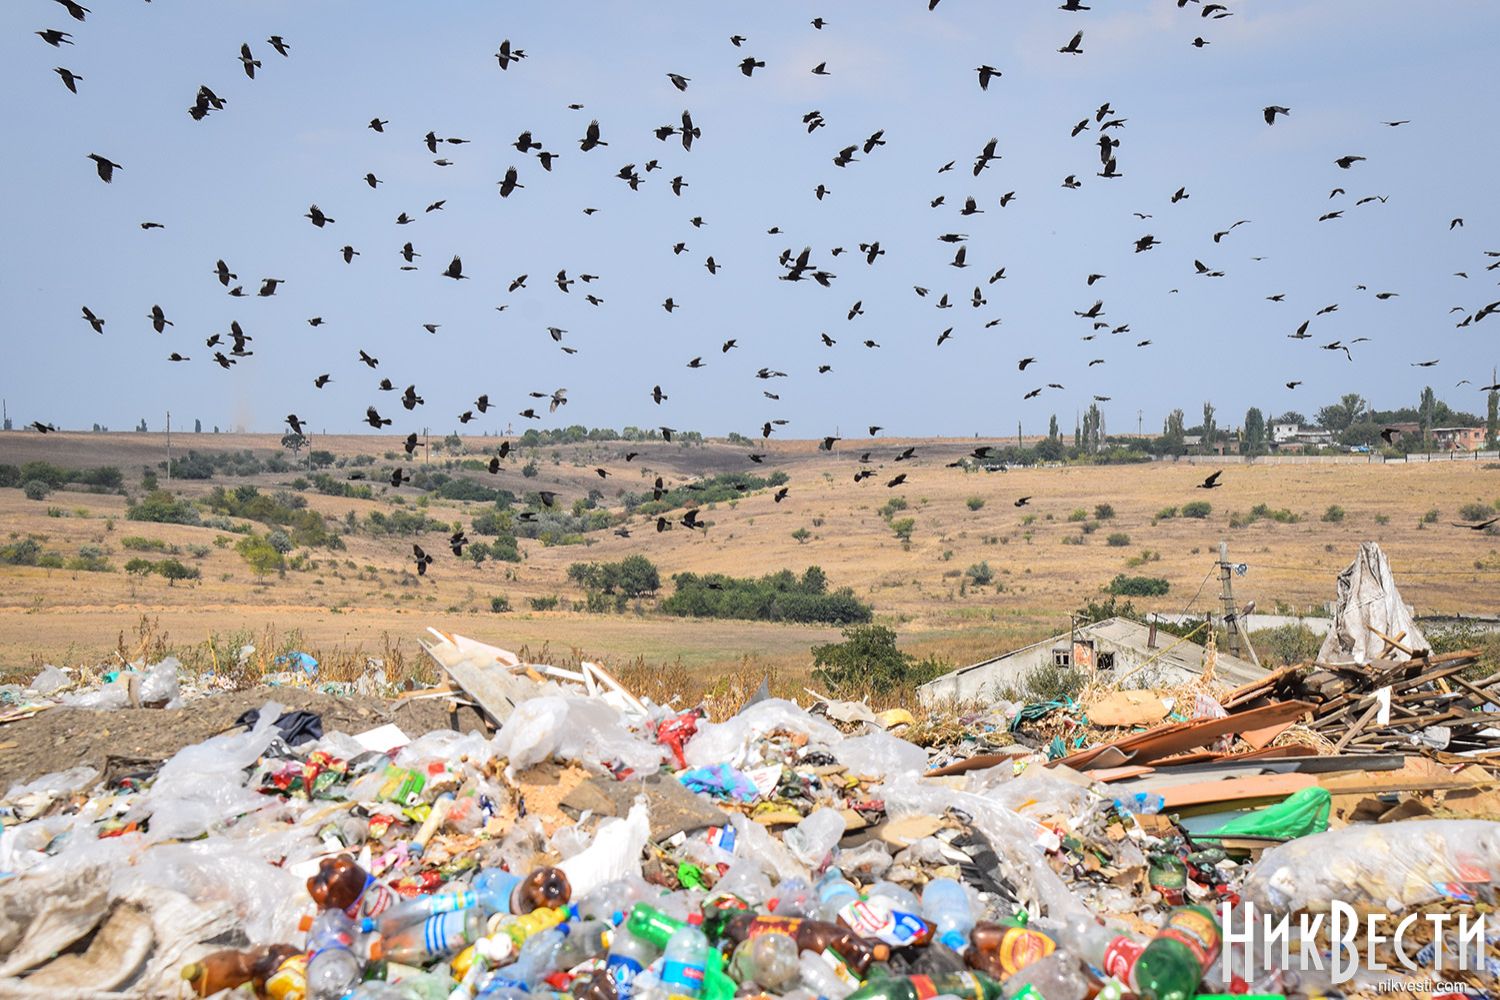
1333	514
280	541
976	503
175	570
980	574
36	489
868	659
903	529
261	555
1255	431
293	442
802	535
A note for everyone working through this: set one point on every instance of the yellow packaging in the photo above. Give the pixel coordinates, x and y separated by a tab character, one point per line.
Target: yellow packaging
289	981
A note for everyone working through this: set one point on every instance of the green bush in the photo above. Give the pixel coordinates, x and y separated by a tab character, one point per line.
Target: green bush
90	559
1197	509
801	535
136	543
633	576
868	660
980	574
1138	586
1166	513
543	603
1286	644
1103	511
35	489
1333	514
1430	517
173	570
1469	511
499	604
975	503
163	508
1078	514
25	552
902	528
261	555
891	506
1117	540
778	597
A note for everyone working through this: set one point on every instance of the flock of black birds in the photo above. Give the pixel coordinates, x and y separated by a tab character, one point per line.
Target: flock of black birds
1105	122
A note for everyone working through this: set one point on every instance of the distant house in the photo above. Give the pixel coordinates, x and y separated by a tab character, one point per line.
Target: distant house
1117	647
1295	437
1458	438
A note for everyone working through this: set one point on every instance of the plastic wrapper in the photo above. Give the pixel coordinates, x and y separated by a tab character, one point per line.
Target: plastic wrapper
879	753
160	684
107	698
576	729
203	786
729	741
812	839
1388	866
615	853
49	680
1302	813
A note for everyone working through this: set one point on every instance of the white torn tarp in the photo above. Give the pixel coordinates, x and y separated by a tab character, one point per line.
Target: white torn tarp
1370	621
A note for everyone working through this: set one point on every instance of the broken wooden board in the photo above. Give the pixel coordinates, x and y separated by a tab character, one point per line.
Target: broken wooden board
1164	741
1237	790
1127	708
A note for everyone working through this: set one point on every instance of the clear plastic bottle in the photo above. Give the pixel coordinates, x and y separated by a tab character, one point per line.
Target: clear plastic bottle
415	910
833	893
586	939
440	934
628	956
684	962
822	978
900	897
1056	977
794	898
1111	952
332	968
945	905
538	957
768	960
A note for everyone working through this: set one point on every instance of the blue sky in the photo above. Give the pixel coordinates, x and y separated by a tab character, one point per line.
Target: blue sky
236	185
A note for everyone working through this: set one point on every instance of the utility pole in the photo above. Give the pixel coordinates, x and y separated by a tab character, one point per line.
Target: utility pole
169	447
1018	435
1231	610
1138	414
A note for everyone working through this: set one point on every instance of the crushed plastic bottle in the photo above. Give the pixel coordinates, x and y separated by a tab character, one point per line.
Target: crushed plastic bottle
770	961
332	966
438	935
945	905
1056	977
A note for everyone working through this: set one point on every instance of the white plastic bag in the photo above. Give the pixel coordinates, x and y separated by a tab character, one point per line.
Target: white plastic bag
720	742
879	754
49	680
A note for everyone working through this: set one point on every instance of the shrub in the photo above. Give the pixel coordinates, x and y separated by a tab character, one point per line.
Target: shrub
90	559
280	541
25	552
499	604
1117	540
261	555
529	470
801	535
1103	511
1469	511
1078	514
1089	527
975	503
1286	644
980	574
1197	509
174	570
779	596
1166	513
891	506
1430	517
543	603
136	543
868	660
162	507
140	567
1138	586
1333	514
35	489
633	576
902	528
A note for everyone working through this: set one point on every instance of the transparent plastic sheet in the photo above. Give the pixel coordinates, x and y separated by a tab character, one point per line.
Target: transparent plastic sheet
878	753
53	785
576	729
615	853
1036	791
160	683
203	786
1013	837
107	698
49	680
817	834
754	842
728	741
1389	866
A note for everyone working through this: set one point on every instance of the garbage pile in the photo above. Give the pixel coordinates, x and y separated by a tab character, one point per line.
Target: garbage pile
601	846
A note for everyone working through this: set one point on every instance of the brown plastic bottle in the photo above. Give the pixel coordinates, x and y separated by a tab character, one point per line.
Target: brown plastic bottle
810	935
231	967
544	887
1001	949
339	883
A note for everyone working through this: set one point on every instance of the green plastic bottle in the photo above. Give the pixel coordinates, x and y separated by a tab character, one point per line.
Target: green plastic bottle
964	985
655	927
1172	965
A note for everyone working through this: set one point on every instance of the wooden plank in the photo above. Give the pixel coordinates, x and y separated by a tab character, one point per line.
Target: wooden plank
1354	730
1263	786
1108	774
1127	708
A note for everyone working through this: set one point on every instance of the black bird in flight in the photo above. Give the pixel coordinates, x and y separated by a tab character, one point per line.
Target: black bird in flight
55	38
986	73
1212	482
69	78
507	55
374	419
249	62
93	321
422	558
42	428
1477	527
76	11
106	167
315	214
279	44
1074	47
750	64
1270	112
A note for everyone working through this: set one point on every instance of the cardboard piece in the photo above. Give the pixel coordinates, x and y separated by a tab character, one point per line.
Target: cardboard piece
1127	708
673	809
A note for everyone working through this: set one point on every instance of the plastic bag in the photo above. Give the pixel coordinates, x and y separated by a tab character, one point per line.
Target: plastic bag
107	698
160	683
817	834
721	742
615	853
576	729
203	785
49	680
878	753
1304	813
1389	866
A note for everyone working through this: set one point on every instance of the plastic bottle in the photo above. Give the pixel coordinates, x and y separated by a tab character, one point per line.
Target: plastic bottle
769	961
231	967
418	909
519	928
629	954
332	966
501	891
684	962
964	985
1143	803
877	918
1002	949
538	957
438	935
834	892
586	939
1172	965
825	978
945	905
811	935
289	981
812	839
794	898
1056	977
1111	952
900	897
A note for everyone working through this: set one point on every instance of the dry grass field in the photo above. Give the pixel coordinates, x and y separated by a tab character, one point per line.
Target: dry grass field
1045	562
